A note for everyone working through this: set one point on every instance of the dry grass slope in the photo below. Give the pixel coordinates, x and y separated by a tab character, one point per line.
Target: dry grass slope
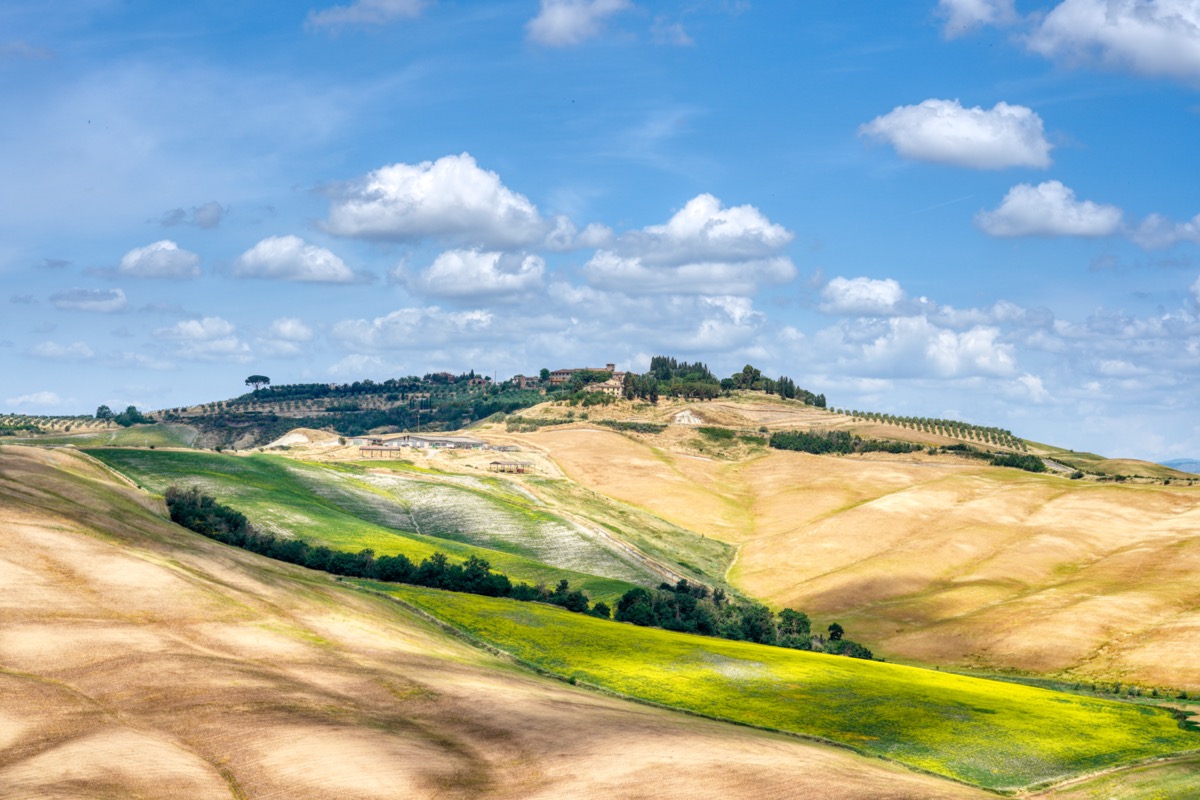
932	559
139	660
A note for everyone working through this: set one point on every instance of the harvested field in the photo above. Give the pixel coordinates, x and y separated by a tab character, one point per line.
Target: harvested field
935	561
141	660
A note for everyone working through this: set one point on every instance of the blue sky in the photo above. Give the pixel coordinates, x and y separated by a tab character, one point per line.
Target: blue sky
976	209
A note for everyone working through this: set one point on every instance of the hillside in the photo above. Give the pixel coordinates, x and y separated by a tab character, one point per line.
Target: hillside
930	558
138	659
1191	465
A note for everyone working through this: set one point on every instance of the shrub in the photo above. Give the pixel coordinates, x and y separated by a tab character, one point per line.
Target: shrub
1027	463
633	427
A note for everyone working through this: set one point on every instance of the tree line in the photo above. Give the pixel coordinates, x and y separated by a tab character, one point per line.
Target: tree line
692	608
839	442
695	381
200	513
683	607
944	427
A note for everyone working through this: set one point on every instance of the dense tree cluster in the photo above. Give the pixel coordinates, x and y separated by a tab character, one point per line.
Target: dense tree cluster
130	416
692	608
1026	462
840	442
695	381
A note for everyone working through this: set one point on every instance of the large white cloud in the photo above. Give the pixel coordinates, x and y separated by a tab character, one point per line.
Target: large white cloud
704	248
366	12
963	16
206	339
915	347
862	296
472	273
290	258
105	301
450	198
162	259
560	23
944	132
1149	37
1048	209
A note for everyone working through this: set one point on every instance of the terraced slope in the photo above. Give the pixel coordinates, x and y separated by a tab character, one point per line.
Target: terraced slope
351	509
140	660
1001	736
934	561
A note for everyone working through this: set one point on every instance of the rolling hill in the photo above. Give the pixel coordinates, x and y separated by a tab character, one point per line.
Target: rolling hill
138	659
931	559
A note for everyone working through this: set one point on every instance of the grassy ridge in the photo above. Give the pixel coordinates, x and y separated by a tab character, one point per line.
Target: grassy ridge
1000	736
278	495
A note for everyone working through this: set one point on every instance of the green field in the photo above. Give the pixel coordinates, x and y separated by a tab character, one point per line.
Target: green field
1000	736
156	435
339	508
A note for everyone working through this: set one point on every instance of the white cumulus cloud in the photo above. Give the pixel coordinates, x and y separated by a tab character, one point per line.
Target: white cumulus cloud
1033	387
366	12
862	296
1156	231
285	337
413	328
290	258
962	16
206	339
290	329
1048	209
561	23
104	301
704	248
916	344
944	132
449	198
1149	37
198	330
471	273
162	259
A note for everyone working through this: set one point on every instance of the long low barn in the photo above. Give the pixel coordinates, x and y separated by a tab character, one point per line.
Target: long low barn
381	446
